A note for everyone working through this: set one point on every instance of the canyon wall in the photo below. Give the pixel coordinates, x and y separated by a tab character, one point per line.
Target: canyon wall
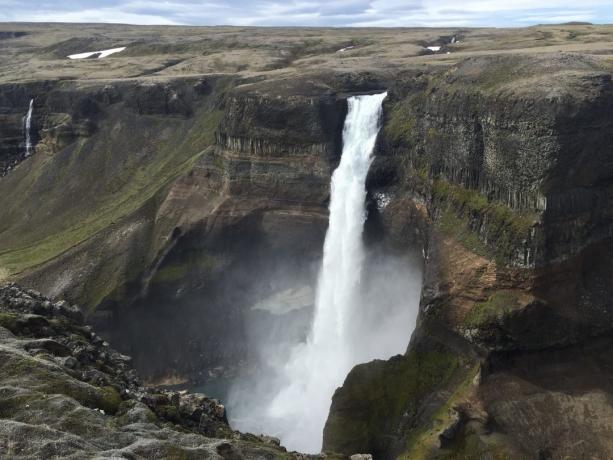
191	193
166	206
510	177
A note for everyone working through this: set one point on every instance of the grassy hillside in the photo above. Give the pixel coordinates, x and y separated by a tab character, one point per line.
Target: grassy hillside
54	202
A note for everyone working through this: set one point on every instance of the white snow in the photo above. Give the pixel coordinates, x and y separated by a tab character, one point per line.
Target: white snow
342	50
103	53
434	48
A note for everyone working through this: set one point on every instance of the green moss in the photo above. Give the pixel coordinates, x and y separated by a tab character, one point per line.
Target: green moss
460	196
109	400
176	453
9	406
400	125
504	227
201	264
114	173
8	321
123	417
171	274
169	412
218	162
471	446
498	304
423	442
458	227
431	133
377	396
422	173
48	380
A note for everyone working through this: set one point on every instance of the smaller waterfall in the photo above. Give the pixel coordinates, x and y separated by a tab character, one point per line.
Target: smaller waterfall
27	127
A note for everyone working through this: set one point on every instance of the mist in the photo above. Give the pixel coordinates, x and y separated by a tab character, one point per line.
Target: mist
364	308
381	324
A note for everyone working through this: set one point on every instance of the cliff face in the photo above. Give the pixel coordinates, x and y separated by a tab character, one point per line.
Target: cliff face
187	193
266	222
164	196
518	231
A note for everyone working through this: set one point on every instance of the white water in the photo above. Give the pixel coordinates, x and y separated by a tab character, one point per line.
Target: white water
366	303
28	127
320	365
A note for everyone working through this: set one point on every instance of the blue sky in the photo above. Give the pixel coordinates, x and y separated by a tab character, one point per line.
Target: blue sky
388	13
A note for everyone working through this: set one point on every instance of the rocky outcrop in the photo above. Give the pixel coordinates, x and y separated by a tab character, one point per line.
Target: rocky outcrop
65	392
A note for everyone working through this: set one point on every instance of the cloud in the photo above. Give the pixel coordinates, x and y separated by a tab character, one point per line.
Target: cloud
386	13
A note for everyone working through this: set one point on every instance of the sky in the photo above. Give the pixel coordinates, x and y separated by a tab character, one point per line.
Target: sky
341	13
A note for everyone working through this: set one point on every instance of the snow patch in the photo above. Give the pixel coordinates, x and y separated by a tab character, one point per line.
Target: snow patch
342	50
103	53
434	48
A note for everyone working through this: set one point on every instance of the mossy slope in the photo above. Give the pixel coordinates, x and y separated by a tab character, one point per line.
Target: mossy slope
381	403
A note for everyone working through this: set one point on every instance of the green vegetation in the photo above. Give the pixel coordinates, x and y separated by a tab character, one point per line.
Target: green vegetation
290	52
171	274
200	263
422	173
400	125
376	396
8	321
422	442
431	134
503	227
459	228
10	405
108	400
499	304
122	413
472	446
49	381
161	149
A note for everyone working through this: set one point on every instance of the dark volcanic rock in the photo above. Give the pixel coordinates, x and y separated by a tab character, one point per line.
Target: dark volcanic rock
66	393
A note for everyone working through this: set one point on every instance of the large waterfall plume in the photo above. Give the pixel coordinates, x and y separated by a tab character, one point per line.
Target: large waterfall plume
318	366
362	311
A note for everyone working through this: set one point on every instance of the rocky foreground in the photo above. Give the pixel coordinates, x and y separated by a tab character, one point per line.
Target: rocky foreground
64	392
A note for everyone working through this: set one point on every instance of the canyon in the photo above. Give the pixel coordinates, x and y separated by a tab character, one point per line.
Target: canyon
177	189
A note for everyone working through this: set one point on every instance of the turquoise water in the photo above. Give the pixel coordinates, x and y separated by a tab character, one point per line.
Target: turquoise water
215	389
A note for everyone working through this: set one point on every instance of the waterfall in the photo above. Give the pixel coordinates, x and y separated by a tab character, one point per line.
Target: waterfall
318	366
27	127
366	302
